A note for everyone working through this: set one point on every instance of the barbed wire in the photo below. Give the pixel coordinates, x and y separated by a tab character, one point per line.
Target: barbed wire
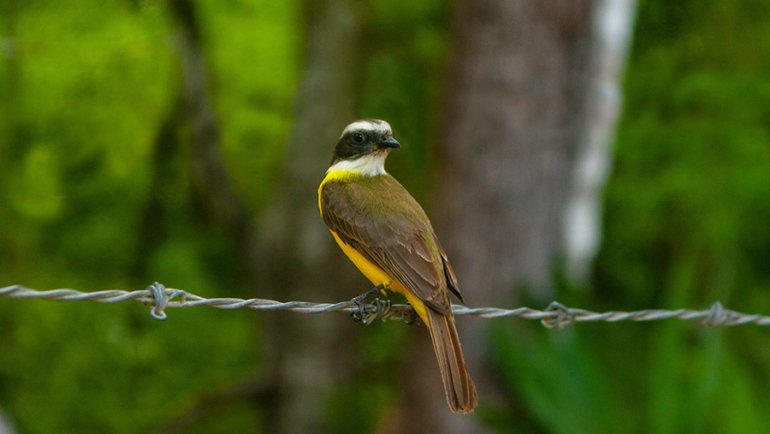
555	316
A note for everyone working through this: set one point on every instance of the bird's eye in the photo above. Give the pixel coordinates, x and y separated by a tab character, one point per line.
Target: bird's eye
359	138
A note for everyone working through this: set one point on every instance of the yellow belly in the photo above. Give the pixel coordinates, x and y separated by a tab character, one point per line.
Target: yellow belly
378	276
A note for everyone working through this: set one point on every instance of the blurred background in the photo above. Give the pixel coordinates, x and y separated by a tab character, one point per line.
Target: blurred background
611	154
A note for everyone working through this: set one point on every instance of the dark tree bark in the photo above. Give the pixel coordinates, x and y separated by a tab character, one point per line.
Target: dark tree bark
515	89
214	187
191	122
214	193
151	229
308	355
13	135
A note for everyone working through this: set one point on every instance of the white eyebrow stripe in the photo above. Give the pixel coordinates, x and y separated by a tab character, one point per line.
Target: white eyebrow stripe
379	126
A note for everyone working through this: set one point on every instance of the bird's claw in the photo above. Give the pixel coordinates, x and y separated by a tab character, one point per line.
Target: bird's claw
381	306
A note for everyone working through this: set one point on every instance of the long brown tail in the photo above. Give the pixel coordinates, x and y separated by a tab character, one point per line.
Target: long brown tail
458	386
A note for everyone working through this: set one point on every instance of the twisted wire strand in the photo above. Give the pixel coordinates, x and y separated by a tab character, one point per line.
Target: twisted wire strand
555	316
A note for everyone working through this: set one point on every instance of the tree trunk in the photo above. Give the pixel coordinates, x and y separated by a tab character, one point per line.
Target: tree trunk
308	353
611	36
214	188
287	257
515	89
516	95
12	133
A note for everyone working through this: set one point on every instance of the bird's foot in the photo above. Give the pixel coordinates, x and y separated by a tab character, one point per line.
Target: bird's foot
379	306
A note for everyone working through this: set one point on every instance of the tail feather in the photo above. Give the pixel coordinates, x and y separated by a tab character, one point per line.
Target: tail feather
458	386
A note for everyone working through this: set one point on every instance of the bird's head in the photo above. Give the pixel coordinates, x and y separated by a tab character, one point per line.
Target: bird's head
363	147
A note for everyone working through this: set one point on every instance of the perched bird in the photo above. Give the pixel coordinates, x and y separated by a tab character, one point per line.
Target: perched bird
386	234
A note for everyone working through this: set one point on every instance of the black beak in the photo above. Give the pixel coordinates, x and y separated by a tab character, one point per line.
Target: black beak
388	142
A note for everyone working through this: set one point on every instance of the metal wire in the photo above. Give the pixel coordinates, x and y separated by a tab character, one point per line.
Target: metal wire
555	316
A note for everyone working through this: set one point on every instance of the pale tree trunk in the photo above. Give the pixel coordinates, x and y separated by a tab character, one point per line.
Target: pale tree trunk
5	425
516	94
308	355
612	29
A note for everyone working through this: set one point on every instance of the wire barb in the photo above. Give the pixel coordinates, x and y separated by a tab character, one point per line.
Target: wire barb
717	316
160	298
563	317
555	316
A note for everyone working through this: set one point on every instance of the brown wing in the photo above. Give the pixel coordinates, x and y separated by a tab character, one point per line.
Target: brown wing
382	221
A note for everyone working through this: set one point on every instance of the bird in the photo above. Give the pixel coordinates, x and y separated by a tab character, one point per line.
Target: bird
387	235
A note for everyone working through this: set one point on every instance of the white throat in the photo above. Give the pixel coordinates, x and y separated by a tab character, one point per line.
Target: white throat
369	165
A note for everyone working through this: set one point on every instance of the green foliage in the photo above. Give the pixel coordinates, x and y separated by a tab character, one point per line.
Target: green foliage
402	79
254	51
83	368
560	380
85	92
350	411
66	157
